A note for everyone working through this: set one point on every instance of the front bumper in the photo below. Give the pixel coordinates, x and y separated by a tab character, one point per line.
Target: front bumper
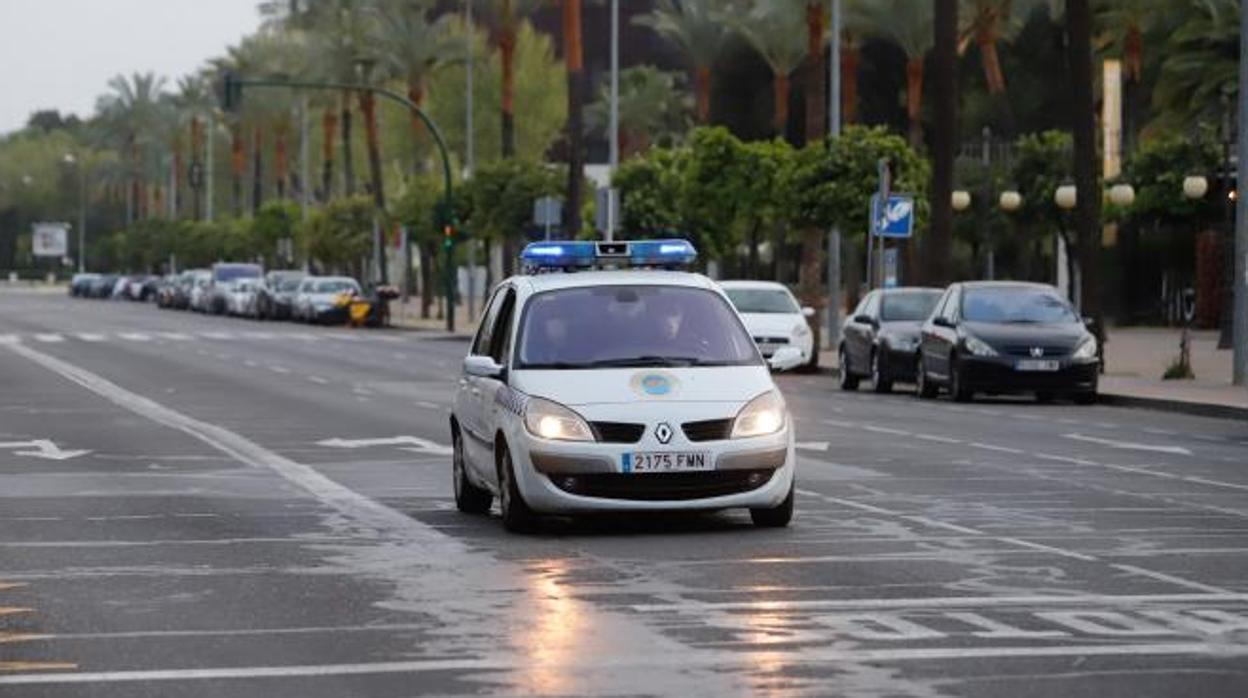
566	478
999	374
901	365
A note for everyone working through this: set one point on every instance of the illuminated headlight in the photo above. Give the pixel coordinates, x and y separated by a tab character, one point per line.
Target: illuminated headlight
1086	350
550	420
801	330
763	416
977	346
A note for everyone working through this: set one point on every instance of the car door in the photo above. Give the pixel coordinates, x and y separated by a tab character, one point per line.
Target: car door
468	405
488	389
860	345
944	334
853	335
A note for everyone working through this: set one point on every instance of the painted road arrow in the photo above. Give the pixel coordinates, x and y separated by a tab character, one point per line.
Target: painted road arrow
43	449
1129	446
414	444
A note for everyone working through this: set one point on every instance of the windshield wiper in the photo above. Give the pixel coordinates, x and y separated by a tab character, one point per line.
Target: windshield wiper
646	361
556	366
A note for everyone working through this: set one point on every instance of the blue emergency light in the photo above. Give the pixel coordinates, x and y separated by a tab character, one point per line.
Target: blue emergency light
585	254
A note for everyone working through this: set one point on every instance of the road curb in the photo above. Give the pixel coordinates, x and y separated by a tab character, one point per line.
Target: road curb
1198	409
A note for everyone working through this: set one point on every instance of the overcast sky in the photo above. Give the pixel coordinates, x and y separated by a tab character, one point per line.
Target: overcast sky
60	54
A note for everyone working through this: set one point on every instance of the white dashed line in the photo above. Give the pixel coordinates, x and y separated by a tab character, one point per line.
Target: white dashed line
318	380
134	337
938	439
279	369
90	337
999	449
50	338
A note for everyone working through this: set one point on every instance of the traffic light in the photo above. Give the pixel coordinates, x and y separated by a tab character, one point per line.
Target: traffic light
230	92
448	237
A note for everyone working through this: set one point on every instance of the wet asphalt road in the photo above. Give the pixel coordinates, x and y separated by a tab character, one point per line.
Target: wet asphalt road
207	543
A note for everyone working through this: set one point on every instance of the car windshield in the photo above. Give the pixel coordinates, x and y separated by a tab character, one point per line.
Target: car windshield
244	285
632	326
762	300
333	286
287	285
1016	306
237	271
908	306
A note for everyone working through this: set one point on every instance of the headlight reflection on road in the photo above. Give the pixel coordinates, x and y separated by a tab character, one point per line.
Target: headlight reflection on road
552	643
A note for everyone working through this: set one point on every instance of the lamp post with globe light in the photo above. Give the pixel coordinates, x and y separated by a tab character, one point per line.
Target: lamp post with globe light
75	162
1066	197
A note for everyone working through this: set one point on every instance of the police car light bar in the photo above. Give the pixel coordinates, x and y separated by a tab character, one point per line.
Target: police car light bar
548	256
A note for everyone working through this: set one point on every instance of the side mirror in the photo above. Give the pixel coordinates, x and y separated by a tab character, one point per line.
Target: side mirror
866	320
808	311
942	321
482	367
785	359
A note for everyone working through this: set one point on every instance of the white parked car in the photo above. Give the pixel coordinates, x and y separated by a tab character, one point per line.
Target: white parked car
240	297
316	297
201	291
636	389
773	317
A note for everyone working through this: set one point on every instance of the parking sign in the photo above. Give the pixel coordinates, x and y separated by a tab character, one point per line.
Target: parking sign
50	239
896	220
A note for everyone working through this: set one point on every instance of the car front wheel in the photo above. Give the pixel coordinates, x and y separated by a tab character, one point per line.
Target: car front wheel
516	514
880	380
926	388
848	380
775	517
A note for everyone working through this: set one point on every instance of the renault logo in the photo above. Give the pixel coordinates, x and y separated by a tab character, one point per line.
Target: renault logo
1037	352
663	433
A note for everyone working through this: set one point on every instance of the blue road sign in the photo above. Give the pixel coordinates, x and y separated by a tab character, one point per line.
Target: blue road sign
897	220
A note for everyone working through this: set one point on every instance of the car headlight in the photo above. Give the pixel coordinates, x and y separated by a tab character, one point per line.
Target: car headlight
901	343
977	346
1086	350
763	416
550	420
801	330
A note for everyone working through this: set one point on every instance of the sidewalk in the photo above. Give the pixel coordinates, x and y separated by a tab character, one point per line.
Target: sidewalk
1136	358
406	316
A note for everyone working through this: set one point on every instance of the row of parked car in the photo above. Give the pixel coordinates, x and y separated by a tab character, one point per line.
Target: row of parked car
243	290
972	338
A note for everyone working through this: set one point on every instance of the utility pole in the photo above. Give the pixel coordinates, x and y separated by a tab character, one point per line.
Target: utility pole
613	132
834	130
305	181
470	154
1240	328
210	157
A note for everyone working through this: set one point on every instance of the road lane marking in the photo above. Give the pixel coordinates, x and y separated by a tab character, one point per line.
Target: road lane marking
250	364
318	380
428	405
413	443
933	602
90	337
279	369
49	338
175	336
938	439
1127	445
352	504
36	666
998	449
1169	578
640	662
14	638
43	448
1063	459
14	610
811	446
9	339
134	336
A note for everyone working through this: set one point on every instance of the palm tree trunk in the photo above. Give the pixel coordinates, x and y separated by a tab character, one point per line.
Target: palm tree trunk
280	163
814	292
1083	132
507	56
939	246
780	107
995	77
702	87
368	108
196	149
329	127
178	169
914	100
238	163
257	169
850	58
574	59
348	164
427	254
416	93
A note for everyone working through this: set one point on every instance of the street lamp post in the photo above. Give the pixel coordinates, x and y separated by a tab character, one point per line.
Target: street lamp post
73	161
1066	197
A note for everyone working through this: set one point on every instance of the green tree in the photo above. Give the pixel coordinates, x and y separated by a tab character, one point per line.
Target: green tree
129	113
653	107
1042	163
650	185
908	24
339	236
1199	77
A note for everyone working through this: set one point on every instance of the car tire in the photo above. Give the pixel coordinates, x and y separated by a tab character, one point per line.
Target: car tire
880	380
516	514
1086	398
774	517
469	498
957	384
924	387
849	381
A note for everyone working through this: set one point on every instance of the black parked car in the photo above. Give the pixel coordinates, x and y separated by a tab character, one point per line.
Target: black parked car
276	295
880	339
1007	337
102	286
80	285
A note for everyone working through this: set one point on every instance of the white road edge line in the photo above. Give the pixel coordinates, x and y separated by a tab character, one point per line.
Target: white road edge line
933	602
350	503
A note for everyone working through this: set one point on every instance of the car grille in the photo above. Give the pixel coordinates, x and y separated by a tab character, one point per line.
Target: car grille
663	486
618	432
1025	350
771	340
709	430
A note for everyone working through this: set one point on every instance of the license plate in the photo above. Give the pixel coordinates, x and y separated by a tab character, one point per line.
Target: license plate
665	462
1038	365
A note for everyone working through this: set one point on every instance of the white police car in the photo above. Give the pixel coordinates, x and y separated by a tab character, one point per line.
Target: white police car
605	380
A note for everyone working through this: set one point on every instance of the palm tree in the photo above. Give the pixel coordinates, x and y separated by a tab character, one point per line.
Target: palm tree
654	105
938	249
194	102
1123	24
1201	65
507	15
698	28
573	58
908	25
130	112
1083	130
339	33
774	32
988	23
412	46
